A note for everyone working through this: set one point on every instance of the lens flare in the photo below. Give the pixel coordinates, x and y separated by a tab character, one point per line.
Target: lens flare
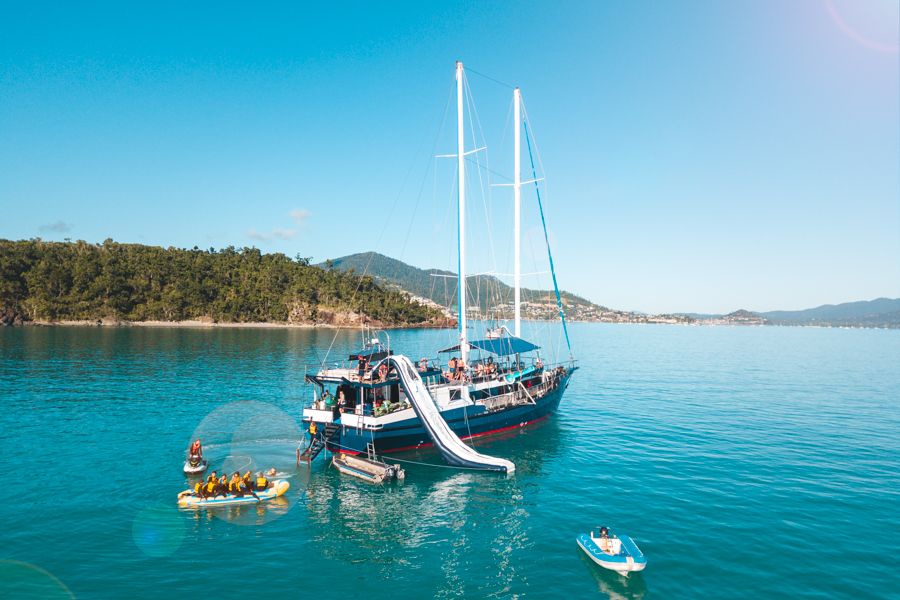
25	581
158	531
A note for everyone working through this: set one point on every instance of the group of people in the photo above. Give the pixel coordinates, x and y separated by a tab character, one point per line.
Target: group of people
456	369
239	485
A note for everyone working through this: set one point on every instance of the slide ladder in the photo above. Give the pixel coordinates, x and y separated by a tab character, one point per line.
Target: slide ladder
453	449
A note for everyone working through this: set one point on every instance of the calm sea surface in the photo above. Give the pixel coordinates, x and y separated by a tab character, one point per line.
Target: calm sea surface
746	463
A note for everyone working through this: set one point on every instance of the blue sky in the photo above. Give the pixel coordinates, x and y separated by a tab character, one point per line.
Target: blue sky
700	156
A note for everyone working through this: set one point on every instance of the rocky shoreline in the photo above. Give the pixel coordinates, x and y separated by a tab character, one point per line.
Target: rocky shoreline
325	320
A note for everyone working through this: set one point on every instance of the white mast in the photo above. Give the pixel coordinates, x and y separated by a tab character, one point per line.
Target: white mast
517	191
461	232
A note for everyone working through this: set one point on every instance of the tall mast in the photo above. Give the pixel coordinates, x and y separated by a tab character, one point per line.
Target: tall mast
461	231
517	191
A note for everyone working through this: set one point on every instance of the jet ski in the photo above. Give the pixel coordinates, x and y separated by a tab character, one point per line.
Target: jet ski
195	465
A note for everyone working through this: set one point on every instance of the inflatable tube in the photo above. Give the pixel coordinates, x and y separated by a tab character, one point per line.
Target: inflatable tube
186	499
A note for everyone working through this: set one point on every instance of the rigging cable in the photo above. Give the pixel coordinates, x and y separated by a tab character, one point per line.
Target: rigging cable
537	190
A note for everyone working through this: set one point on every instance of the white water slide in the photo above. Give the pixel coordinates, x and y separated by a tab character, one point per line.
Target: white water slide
453	449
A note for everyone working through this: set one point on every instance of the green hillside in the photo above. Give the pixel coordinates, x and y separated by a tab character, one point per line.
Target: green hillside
440	286
50	281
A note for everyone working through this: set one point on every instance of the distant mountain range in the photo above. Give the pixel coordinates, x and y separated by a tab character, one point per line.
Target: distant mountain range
881	312
495	300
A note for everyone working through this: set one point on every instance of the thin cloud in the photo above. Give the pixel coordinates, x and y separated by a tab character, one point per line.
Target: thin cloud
299	215
276	234
57	227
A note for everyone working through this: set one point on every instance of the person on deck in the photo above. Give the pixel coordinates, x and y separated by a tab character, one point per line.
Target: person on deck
451	368
460	370
312	429
341	401
361	368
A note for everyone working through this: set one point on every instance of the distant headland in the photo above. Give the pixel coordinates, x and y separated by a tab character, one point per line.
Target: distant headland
65	283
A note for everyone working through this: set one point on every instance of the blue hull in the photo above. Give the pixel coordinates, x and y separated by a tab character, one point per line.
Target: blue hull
468	422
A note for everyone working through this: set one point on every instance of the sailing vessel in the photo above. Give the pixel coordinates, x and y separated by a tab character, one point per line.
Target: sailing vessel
378	401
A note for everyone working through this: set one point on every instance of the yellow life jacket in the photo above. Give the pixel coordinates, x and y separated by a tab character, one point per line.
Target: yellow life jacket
312	428
262	483
197	487
211	486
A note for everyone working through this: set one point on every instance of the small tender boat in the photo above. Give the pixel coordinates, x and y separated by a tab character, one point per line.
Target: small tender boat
195	467
616	553
367	469
187	499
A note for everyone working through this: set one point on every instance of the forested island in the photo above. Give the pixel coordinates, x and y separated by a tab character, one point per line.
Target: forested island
49	282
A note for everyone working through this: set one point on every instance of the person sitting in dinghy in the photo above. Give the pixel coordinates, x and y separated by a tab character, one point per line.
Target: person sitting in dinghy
604	541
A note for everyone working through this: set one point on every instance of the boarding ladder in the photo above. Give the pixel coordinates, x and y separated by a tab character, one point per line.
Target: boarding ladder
318	443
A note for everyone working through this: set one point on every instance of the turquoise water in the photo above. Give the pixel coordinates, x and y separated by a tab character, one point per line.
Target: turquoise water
746	462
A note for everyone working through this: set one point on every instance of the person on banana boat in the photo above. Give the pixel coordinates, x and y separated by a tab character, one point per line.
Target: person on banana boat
261	483
222	487
235	484
209	488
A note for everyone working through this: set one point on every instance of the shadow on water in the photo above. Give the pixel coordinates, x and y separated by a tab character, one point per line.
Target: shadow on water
390	526
528	447
613	585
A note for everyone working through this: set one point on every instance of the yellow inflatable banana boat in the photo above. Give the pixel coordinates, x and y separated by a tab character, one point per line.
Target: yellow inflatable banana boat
187	499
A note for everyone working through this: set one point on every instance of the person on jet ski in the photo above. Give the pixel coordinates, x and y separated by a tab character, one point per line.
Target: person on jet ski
195	453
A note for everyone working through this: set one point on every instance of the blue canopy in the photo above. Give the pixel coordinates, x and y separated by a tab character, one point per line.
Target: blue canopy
371	353
503	346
